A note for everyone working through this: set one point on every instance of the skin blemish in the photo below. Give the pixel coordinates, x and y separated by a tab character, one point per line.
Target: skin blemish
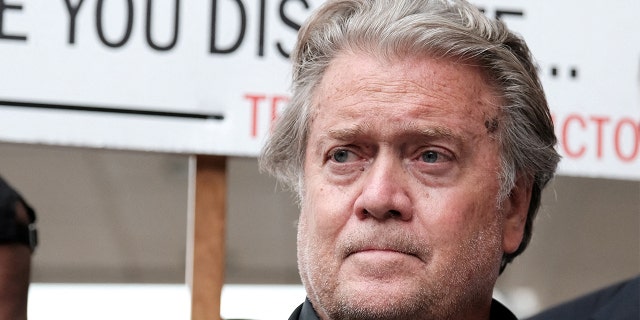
491	125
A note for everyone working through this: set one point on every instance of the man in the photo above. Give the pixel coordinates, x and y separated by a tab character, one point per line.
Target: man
17	242
418	139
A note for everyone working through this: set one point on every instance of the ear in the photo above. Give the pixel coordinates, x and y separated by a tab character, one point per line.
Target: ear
515	210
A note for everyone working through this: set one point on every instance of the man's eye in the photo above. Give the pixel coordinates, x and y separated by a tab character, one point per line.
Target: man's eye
340	156
431	156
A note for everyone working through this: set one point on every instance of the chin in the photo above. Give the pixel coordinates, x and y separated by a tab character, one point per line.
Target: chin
382	300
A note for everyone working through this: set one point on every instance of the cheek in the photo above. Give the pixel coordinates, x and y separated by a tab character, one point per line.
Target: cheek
318	230
325	209
460	215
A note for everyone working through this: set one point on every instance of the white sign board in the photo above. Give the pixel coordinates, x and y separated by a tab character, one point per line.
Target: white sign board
209	76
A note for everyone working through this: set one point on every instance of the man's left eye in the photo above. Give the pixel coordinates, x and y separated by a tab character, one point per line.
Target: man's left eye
431	156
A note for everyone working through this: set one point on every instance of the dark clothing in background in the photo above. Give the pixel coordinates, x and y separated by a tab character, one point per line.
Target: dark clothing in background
620	301
10	230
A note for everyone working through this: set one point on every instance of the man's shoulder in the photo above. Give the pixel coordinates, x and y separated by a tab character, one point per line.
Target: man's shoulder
500	312
296	313
304	312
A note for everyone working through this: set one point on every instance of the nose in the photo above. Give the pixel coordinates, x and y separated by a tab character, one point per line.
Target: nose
384	194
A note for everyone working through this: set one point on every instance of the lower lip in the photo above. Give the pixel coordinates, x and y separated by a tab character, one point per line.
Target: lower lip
380	254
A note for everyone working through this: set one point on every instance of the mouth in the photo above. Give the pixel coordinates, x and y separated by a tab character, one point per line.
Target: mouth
381	263
381	251
385	244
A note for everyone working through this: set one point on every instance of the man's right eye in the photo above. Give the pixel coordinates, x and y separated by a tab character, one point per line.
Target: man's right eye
340	156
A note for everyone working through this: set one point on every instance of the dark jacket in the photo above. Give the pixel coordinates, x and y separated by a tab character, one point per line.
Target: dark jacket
305	312
617	302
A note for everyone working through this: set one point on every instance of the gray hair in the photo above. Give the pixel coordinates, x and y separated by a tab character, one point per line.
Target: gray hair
438	28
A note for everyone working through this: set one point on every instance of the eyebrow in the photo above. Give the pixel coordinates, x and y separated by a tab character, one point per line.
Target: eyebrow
437	132
408	129
346	134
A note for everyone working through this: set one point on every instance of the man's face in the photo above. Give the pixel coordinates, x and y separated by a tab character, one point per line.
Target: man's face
399	214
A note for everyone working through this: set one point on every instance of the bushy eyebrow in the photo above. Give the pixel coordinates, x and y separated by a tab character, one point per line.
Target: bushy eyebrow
409	129
346	134
437	132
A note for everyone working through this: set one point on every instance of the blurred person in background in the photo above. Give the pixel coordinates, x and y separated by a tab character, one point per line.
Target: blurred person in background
620	301
17	242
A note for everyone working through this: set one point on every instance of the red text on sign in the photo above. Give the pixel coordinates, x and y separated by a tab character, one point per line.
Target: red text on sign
274	102
599	136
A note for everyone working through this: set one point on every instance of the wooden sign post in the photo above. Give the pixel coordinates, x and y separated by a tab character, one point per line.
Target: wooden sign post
208	237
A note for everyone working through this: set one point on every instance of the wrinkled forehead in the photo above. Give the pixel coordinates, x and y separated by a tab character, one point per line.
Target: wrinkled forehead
439	83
